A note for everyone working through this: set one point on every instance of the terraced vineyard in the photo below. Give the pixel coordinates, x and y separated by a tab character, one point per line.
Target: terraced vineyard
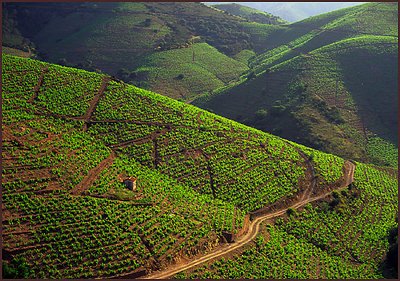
180	49
345	236
70	136
47	157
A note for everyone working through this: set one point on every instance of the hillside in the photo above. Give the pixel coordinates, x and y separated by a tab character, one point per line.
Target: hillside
16	52
134	41
118	38
320	89
295	11
65	154
250	14
186	72
344	237
376	19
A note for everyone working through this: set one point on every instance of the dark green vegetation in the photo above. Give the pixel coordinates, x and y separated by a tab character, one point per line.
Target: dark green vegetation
345	236
69	136
329	82
250	14
17	268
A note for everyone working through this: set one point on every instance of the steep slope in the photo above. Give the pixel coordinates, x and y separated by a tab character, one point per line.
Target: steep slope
250	14
70	136
322	88
347	236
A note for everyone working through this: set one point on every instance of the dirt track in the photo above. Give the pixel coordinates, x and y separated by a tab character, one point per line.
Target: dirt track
93	104
253	230
93	174
39	84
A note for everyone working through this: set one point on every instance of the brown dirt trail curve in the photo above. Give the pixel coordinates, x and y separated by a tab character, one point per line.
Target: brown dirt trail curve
93	175
303	194
253	230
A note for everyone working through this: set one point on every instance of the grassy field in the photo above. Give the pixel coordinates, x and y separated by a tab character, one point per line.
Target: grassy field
115	35
119	38
107	40
315	32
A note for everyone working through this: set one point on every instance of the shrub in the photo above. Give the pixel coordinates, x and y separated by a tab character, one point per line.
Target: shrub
147	22
277	110
180	76
261	113
291	212
17	268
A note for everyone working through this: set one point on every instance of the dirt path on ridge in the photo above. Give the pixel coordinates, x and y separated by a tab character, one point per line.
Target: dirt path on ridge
93	175
93	103
253	229
38	85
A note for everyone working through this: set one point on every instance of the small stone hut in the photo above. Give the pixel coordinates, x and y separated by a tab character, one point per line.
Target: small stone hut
130	182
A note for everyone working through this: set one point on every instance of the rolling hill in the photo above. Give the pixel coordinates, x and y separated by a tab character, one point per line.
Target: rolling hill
120	38
329	82
250	14
70	137
295	11
186	72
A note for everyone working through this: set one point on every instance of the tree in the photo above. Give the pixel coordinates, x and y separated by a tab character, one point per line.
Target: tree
147	22
180	76
251	75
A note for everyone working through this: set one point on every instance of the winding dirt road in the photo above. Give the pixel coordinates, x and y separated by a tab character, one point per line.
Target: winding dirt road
252	231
